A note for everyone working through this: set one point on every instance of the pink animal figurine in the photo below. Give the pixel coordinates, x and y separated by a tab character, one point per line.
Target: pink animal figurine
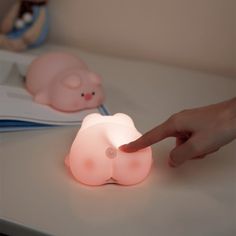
64	82
95	158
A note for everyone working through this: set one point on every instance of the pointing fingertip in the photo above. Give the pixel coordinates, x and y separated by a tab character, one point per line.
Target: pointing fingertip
123	147
127	148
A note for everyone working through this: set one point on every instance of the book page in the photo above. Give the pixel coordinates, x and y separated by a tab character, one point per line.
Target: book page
17	104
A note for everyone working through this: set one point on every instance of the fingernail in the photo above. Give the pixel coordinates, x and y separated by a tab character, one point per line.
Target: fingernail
123	147
171	163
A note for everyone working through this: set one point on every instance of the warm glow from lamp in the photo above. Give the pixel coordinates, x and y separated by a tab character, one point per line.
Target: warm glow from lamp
95	158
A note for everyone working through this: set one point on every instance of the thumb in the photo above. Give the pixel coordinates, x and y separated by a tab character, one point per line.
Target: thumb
184	152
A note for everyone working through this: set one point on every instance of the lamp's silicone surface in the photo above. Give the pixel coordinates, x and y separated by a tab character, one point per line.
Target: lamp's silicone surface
64	82
95	158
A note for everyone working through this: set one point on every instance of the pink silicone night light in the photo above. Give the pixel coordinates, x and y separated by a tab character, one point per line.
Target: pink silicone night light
95	158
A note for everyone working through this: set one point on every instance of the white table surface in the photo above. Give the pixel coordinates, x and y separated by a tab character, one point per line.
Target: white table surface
196	199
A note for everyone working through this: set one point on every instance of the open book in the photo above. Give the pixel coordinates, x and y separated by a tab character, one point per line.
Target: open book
18	111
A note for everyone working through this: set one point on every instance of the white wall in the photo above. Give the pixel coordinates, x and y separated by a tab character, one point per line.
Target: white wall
199	34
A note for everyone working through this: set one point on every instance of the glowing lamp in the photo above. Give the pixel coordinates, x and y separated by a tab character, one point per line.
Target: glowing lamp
95	157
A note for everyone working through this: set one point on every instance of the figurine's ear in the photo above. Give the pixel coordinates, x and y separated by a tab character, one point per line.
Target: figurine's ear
95	79
121	118
41	97
91	120
72	81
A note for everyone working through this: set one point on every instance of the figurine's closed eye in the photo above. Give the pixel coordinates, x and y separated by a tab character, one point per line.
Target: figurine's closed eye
82	94
93	93
72	82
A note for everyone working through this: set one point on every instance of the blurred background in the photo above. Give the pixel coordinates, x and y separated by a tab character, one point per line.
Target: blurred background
195	34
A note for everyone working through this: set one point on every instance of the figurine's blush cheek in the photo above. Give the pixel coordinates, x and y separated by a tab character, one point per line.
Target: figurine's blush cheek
89	164
134	164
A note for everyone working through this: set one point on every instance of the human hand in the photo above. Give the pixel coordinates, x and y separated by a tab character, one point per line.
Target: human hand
198	132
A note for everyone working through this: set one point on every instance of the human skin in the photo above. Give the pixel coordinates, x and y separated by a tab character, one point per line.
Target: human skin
198	132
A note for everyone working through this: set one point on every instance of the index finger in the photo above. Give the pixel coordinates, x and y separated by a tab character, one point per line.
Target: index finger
155	135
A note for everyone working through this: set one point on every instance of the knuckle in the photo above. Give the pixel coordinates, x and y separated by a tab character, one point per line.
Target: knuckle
172	118
184	111
178	120
175	120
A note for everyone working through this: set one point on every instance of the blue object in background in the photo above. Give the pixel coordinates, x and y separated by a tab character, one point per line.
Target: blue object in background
18	33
